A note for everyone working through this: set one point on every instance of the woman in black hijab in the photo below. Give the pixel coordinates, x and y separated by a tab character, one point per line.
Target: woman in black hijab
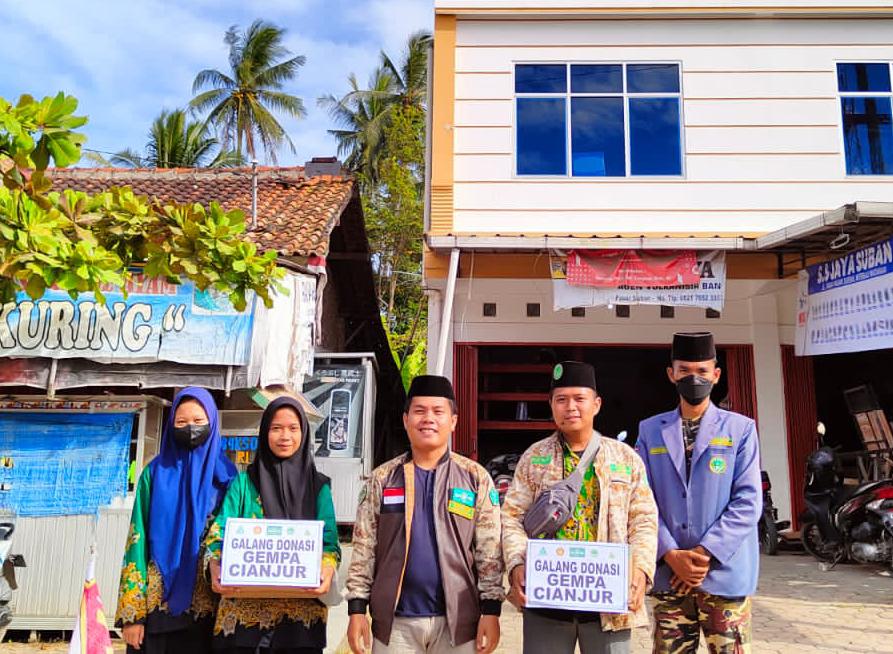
282	483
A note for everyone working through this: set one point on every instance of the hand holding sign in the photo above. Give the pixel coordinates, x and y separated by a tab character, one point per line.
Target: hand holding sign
637	591
214	569
516	593
325	582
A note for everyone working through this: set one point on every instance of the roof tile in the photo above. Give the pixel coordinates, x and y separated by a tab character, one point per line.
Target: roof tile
295	215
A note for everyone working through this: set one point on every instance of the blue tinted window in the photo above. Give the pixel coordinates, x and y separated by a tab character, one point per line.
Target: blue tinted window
597	137
652	78
859	78
654	139
597	79
867	136
541	78
541	135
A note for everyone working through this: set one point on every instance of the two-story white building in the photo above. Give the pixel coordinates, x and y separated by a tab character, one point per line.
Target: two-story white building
752	132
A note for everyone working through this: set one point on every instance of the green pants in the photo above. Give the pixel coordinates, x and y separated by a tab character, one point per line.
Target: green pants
679	620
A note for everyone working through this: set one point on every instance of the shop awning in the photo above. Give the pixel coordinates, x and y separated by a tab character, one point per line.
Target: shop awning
860	223
848	227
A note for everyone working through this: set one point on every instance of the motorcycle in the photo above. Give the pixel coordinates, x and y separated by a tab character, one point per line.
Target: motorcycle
502	470
843	523
8	579
769	525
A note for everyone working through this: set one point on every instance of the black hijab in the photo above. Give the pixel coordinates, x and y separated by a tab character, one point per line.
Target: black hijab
288	487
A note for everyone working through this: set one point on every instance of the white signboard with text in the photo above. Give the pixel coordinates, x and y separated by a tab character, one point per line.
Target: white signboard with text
577	576
262	552
846	304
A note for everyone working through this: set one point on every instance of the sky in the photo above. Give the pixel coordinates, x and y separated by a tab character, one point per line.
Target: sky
126	61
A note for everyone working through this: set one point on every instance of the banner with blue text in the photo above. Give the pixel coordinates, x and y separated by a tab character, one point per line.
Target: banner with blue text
846	304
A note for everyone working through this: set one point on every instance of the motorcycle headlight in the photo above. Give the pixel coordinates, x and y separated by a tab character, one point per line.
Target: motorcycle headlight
880	505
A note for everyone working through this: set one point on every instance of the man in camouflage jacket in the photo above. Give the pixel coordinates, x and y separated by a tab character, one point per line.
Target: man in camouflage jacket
615	506
426	543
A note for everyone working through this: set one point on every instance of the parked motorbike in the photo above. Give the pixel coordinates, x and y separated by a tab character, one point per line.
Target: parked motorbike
502	470
845	523
8	579
769	524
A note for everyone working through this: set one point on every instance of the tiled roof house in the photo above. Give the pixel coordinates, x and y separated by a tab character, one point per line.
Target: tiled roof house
307	214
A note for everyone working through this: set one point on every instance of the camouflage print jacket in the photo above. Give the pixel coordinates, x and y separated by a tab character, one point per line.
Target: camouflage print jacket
627	512
467	526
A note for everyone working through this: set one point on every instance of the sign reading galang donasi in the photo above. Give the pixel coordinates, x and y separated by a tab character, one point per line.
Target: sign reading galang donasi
157	321
846	304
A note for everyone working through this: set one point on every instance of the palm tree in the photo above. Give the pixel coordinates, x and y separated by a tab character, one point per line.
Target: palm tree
177	142
363	114
241	103
412	75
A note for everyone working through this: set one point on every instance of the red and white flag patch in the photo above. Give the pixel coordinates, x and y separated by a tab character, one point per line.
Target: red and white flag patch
394	496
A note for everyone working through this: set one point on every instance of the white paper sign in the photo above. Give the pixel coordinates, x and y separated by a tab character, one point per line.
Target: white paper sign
265	552
578	576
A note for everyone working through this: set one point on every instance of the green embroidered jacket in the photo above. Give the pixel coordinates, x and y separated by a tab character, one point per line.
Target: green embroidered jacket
141	589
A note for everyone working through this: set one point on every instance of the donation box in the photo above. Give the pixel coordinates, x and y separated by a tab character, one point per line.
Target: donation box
270	558
563	574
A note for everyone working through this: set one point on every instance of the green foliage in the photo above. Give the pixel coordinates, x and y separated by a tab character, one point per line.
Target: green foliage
175	141
81	243
381	134
241	103
363	115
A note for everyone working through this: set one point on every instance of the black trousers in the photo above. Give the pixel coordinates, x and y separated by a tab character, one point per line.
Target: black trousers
194	639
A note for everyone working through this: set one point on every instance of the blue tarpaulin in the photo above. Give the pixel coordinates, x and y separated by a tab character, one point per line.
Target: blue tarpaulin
63	463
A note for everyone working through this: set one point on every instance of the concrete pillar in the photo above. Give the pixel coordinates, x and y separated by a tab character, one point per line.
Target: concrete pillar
770	400
435	304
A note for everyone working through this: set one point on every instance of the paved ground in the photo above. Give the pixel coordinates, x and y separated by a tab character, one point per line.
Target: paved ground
798	609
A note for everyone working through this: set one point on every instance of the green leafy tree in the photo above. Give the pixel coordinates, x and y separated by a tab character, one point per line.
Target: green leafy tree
80	242
175	141
393	209
241	104
362	115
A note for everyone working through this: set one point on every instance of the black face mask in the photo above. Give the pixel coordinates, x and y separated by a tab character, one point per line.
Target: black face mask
694	389
191	436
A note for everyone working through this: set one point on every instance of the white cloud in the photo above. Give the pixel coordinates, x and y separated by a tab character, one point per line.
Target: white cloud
394	20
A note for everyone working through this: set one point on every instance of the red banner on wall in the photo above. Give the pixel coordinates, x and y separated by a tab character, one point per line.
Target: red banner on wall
632	268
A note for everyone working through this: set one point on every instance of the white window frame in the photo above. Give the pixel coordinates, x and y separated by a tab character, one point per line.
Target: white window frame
859	94
568	96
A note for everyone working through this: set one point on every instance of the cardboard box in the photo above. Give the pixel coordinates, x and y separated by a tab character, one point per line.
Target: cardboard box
264	558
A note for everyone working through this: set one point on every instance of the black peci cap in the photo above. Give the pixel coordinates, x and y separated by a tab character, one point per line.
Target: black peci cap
573	374
431	386
695	346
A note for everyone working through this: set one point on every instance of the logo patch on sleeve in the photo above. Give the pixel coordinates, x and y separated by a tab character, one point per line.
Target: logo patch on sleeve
494	497
462	502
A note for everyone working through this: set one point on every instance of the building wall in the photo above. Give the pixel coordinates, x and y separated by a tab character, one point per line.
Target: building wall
756	312
762	139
